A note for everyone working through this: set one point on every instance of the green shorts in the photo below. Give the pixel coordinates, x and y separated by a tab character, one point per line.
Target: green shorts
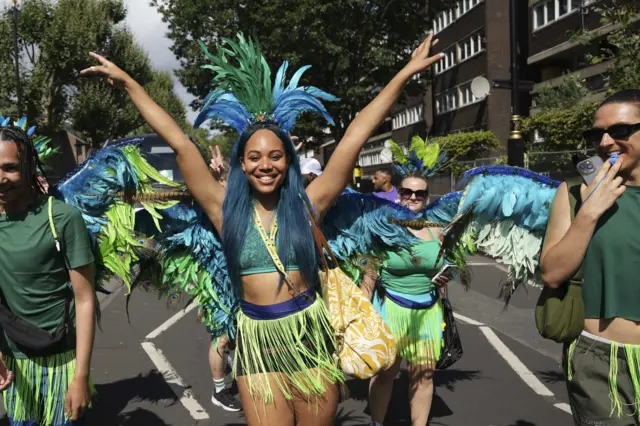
600	381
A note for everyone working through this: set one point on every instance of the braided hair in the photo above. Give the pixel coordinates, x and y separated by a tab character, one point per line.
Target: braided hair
27	154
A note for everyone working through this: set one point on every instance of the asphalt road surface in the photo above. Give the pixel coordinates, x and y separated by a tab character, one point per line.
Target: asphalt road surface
153	370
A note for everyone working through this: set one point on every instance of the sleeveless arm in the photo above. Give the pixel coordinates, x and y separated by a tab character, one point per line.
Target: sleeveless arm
205	189
566	242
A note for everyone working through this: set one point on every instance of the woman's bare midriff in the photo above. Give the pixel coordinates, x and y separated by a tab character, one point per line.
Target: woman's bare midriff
617	329
262	289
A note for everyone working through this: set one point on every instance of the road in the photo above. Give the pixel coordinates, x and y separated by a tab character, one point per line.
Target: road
508	376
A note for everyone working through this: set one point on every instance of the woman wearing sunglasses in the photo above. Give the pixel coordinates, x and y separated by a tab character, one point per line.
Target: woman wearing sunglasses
407	296
603	363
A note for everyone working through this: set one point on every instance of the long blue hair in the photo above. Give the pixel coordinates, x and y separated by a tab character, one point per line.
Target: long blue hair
294	230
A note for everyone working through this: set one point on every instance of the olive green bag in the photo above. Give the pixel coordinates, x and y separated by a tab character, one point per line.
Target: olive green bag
560	311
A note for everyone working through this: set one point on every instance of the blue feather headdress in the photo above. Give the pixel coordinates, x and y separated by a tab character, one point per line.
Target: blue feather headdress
40	143
244	94
424	158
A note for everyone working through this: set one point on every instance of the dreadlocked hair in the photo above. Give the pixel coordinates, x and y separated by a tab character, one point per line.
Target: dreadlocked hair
27	154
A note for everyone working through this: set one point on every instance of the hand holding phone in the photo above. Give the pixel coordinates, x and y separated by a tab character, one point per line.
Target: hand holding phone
446	270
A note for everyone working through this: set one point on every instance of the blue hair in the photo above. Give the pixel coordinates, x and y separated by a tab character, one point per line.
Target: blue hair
294	229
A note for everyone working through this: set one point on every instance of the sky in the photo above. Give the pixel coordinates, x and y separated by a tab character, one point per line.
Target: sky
146	23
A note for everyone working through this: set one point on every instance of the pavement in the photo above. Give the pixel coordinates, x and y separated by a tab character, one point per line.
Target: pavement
151	368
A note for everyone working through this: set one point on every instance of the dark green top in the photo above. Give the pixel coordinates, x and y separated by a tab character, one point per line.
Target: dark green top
611	285
34	281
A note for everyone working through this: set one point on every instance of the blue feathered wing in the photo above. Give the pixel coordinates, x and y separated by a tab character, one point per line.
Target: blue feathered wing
507	210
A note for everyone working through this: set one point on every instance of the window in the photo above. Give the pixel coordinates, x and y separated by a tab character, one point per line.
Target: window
549	11
443	20
447	62
470	46
447	101
408	116
466	95
466	5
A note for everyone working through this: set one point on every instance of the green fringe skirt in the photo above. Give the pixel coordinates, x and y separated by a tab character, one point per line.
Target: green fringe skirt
417	331
294	352
39	388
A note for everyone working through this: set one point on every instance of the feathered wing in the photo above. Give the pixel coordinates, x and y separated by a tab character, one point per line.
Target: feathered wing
503	212
361	227
104	189
192	261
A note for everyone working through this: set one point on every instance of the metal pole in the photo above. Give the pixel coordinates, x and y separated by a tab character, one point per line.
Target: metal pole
16	50
515	144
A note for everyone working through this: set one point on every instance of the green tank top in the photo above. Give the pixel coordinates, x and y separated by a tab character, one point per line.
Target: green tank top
410	272
612	262
255	259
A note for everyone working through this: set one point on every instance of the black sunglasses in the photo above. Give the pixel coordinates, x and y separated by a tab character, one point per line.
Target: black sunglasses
617	131
406	193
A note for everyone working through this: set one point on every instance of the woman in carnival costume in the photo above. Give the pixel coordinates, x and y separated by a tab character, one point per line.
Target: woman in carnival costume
284	365
407	297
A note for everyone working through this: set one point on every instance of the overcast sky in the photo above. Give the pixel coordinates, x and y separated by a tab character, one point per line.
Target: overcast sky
147	25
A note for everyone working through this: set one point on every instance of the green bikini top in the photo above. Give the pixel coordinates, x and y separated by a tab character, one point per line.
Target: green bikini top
254	257
410	272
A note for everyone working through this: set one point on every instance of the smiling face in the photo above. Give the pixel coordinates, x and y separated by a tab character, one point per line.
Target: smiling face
11	187
628	148
413	193
265	162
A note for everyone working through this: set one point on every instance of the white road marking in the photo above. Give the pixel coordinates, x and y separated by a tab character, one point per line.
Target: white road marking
171	376
466	319
514	362
171	321
564	407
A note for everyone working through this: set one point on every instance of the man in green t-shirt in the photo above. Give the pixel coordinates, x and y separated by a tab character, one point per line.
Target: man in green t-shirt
39	275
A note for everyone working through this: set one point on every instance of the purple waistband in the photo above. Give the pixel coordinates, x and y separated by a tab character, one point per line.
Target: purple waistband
279	310
410	304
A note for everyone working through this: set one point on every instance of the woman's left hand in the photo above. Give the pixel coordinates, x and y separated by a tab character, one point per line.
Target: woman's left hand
114	75
441	283
78	399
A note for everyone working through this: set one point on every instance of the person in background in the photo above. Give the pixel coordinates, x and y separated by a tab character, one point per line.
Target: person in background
221	395
383	186
310	169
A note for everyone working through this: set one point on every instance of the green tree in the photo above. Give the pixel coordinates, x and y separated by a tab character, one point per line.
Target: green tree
566	95
467	146
621	45
354	46
55	37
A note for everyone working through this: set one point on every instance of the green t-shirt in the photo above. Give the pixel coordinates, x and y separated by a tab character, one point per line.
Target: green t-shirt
34	281
612	262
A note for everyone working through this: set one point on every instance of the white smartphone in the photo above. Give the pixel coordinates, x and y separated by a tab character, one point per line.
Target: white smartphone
446	269
589	168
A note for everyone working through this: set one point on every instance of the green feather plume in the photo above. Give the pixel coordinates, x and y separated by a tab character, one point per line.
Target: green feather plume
249	80
397	152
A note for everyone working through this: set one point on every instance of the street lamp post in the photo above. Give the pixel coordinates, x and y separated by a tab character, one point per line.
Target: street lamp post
515	144
16	50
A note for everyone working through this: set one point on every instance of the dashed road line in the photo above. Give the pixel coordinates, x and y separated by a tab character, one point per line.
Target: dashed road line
171	321
172	377
514	362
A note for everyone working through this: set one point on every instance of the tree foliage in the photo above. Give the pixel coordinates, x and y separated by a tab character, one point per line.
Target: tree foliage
55	37
354	46
466	146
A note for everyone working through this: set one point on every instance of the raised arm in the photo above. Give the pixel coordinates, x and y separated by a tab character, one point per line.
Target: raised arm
204	188
566	242
325	189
